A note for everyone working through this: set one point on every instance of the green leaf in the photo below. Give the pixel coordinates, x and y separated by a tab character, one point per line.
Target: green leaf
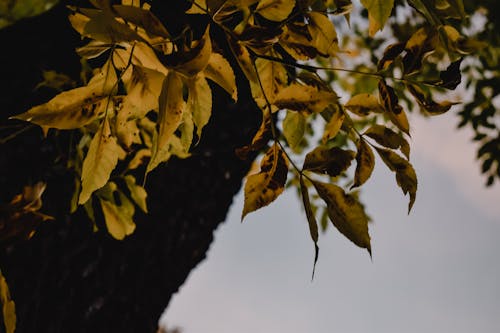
264	187
346	214
170	110
199	102
100	161
311	219
275	10
365	163
331	161
406	177
8	306
378	13
294	126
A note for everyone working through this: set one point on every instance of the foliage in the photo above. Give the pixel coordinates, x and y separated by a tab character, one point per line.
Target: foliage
149	97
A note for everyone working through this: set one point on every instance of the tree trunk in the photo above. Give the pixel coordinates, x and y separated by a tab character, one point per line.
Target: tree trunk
67	278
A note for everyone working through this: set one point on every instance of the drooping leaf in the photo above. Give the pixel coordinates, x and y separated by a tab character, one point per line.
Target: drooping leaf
428	105
323	34
118	218
378	13
220	71
199	103
8	306
195	60
294	126
273	77
365	163
311	219
333	125
137	193
260	138
264	187
390	54
170	110
363	104
275	10
331	161
406	177
389	101
100	161
77	107
346	213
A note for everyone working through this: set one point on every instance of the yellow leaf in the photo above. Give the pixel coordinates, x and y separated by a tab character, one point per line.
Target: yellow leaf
389	101
273	78
118	218
405	174
311	219
363	104
332	161
77	107
220	71
8	306
137	192
142	18
105	28
297	41
333	125
378	13
199	103
275	10
365	163
299	97
171	108
385	136
196	59
260	138
324	36
198	7
263	188
294	126
100	161
346	213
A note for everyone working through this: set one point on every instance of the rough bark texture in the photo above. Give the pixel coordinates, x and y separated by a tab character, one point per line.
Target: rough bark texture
68	278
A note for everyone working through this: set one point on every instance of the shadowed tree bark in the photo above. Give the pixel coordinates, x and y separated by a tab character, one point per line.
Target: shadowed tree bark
68	278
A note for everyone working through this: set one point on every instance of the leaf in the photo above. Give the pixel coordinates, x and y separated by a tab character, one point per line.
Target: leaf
324	36
299	97
384	136
389	101
100	161
93	49
105	28
8	306
193	61
137	192
170	109
142	18
420	44
311	219
275	10
406	177
297	41
378	13
199	102
273	78
264	187
390	54
118	218
331	161
333	125
426	103
451	77
77	107
346	214
260	138
365	163
220	71
294	126
363	104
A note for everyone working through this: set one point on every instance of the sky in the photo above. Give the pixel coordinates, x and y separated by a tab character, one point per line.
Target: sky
433	271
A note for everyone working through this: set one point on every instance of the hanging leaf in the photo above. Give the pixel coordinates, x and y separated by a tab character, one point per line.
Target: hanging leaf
378	13
100	161
421	43
193	61
311	219
294	126
406	177
8	306
365	163
273	78
331	161
105	28
263	188
142	18
426	103
137	193
389	101
118	218
275	10
384	136
199	102
220	71
323	34
260	138
346	214
170	109
333	125
300	97
391	52
363	104
451	77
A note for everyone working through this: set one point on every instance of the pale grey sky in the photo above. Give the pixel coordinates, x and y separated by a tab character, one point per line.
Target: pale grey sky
435	271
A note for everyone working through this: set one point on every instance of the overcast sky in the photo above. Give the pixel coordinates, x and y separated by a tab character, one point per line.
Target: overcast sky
436	270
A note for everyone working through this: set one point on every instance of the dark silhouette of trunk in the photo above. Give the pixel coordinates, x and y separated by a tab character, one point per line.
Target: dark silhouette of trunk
67	278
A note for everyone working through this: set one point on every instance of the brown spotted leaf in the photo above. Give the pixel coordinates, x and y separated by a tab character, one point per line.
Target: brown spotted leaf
330	161
311	219
365	163
389	101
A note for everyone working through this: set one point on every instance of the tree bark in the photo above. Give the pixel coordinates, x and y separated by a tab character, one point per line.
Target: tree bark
68	278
